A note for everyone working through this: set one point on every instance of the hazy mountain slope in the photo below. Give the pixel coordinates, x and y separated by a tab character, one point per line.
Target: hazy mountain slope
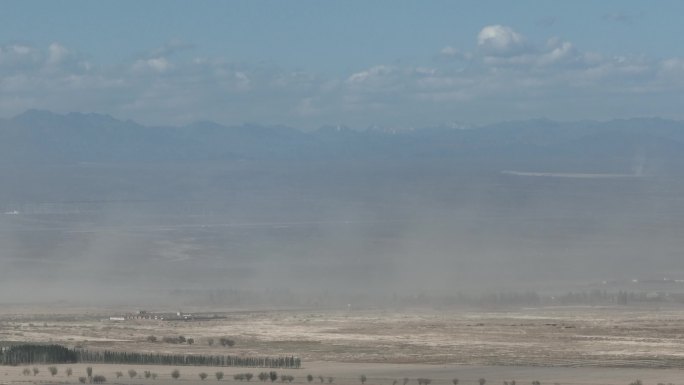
39	136
111	206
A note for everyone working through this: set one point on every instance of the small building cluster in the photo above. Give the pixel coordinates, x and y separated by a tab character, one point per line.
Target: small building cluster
145	315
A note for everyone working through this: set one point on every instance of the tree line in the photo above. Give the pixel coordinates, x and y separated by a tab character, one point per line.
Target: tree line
57	354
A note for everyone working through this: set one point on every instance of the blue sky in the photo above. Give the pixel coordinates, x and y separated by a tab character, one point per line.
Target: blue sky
358	63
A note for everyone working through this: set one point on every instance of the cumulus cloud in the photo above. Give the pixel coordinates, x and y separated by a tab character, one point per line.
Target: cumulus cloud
15	56
500	75
372	74
499	40
155	64
57	53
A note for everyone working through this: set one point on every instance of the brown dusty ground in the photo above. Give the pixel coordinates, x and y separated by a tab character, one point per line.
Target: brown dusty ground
565	345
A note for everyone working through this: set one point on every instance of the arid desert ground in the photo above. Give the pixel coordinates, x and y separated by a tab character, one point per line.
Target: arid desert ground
566	345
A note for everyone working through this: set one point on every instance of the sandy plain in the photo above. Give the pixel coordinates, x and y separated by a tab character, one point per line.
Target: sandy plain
566	345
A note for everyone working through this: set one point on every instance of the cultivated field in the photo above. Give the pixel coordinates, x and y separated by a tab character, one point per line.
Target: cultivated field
607	345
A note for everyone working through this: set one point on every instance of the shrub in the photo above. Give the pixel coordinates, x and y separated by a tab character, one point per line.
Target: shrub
309	378
69	372
219	376
203	376
175	374
119	374
52	370
272	375
26	371
89	371
82	380
35	371
132	373
363	378
148	374
99	379
151	339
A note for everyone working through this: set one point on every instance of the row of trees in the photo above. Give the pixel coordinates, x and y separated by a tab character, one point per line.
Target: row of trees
57	354
43	354
263	376
223	341
109	357
52	369
172	340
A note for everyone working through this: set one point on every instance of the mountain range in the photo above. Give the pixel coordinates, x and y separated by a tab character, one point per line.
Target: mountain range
36	137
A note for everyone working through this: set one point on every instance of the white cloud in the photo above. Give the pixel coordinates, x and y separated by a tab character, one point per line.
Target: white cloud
56	54
159	64
499	40
156	64
506	76
242	80
21	49
370	74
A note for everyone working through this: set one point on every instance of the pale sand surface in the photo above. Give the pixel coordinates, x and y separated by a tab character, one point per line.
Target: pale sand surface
592	345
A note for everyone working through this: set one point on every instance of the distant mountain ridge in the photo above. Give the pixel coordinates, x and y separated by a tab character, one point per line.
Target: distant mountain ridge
44	137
